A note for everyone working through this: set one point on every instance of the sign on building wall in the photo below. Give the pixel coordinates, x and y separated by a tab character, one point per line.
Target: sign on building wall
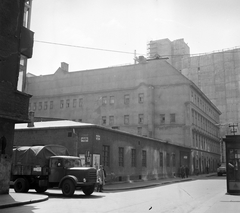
84	138
98	137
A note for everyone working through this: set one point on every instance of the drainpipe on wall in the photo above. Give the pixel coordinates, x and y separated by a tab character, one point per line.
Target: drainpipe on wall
151	111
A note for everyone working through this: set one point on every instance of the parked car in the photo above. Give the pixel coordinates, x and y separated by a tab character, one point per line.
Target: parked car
221	169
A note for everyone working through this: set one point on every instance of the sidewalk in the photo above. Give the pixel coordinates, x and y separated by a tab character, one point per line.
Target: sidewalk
15	199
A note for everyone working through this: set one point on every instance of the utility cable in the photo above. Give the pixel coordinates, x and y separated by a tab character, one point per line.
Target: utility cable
90	48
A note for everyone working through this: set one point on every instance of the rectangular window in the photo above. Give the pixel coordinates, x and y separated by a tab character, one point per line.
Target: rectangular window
106	155
34	106
172	118
51	104
133	158
140	97
174	159
61	104
140	118
161	159
139	129
168	159
144	158
104	120
104	100
126	119
67	103
162	118
196	140
196	164
74	103
193	139
126	99
192	116
40	105
80	102
121	156
111	120
195	117
111	100
45	105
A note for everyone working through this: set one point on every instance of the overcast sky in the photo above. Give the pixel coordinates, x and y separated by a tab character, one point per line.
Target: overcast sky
125	25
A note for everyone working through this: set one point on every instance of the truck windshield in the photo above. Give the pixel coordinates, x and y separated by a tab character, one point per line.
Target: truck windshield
68	163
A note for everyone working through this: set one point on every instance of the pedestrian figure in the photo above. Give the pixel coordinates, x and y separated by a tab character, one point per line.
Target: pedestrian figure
100	179
186	171
182	172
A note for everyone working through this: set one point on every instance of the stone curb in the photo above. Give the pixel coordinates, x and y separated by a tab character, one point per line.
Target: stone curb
20	203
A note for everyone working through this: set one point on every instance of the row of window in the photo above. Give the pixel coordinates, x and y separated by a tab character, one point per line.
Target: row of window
79	102
203	105
202	142
172	118
121	157
203	123
205	163
126	118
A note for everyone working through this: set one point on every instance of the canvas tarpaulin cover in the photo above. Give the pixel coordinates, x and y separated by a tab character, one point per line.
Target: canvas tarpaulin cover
37	155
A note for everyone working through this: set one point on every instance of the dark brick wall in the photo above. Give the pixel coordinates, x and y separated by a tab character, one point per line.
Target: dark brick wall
12	105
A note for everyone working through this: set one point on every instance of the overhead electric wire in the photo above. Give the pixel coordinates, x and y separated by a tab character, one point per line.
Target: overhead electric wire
229	50
90	48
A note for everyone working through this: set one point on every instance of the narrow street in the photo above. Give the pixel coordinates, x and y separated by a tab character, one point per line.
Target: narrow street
204	195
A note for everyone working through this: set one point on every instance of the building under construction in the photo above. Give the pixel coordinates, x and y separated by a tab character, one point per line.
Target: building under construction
215	73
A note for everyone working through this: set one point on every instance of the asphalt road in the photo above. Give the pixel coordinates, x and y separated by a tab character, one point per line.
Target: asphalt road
204	195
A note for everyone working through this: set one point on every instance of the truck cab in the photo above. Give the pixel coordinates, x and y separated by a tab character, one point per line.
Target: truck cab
65	169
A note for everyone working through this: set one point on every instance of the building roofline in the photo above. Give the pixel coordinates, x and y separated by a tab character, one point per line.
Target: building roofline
77	125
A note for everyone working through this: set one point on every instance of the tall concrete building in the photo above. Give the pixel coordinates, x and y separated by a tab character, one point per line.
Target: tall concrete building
151	99
173	51
217	74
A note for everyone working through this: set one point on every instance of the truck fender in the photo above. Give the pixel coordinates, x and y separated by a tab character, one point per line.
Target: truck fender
71	177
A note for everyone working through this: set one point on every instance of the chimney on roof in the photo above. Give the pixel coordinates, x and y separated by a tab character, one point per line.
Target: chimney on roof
31	118
64	66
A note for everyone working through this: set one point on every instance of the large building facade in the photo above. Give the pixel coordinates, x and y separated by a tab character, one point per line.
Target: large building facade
215	73
151	99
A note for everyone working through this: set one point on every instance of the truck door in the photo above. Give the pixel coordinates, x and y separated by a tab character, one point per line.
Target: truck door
56	170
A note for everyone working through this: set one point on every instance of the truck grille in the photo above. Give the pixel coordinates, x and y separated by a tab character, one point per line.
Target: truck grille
92	175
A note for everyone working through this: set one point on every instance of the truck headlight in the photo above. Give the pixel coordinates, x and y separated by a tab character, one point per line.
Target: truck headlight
84	180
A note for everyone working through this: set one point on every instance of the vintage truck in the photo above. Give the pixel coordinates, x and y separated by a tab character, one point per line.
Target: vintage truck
50	166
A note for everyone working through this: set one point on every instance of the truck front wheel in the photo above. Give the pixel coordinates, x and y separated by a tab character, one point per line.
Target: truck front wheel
88	190
21	185
68	188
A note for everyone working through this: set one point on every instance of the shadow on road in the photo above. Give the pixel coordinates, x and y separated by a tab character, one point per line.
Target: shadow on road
77	195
